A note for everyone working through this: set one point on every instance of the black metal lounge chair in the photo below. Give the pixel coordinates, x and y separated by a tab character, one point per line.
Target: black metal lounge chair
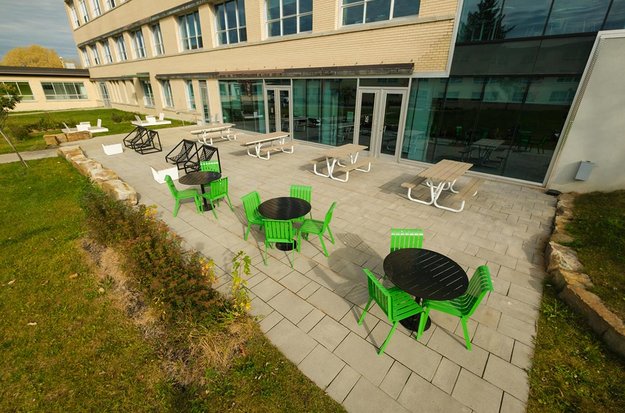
181	153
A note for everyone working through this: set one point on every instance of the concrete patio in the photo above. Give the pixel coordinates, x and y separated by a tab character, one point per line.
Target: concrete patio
310	311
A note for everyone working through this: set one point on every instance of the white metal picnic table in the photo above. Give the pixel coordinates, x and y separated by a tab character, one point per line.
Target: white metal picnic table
440	177
257	141
214	130
334	157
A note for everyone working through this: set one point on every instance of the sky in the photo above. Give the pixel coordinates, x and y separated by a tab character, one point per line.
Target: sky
42	22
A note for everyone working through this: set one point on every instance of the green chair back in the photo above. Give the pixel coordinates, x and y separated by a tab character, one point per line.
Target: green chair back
406	238
279	231
251	202
210	166
326	221
171	186
218	188
184	194
379	293
302	192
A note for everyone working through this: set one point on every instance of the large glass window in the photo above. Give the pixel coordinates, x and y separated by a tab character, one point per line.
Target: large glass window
108	57
86	62
148	94
157	39
190	31
64	90
109	4
168	97
121	48
231	27
616	16
368	11
73	16
242	103
23	89
289	17
576	16
83	10
138	44
95	54
190	94
96	7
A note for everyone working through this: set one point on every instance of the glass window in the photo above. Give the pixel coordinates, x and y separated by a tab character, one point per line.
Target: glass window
138	44
95	54
522	18
109	4
167	95
121	48
242	103
85	57
23	89
83	10
64	90
157	39
368	11
289	17
96	7
108	57
74	16
190	31
576	16
231	26
190	94
148	95
616	16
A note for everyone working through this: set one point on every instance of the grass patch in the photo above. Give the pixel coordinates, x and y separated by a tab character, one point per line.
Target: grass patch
599	231
572	370
82	354
27	130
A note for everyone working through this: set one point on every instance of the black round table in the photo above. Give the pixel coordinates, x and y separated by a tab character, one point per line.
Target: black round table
426	275
200	178
284	208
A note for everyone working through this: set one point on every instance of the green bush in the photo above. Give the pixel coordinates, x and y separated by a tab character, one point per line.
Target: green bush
46	123
20	132
116	117
176	281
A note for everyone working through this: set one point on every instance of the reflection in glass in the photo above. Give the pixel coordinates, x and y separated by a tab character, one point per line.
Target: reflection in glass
378	10
576	16
271	110
366	119
390	129
242	103
523	18
285	103
403	8
616	16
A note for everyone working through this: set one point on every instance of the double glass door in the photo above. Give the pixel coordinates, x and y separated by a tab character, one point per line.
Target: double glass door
380	116
278	109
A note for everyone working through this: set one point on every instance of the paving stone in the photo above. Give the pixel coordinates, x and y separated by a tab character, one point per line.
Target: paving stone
343	383
293	342
492	341
308	290
487	315
512	405
395	379
267	289
350	320
268	322
321	366
259	308
329	333
310	320
508	377
363	357
526	295
517	329
294	281
330	303
454	349
512	307
291	306
519	278
407	350
522	355
477	393
367	398
446	375
419	395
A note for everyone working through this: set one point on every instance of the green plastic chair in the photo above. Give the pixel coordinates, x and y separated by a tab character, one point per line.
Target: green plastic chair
395	303
406	238
302	192
463	306
313	226
279	231
210	166
183	194
251	202
218	190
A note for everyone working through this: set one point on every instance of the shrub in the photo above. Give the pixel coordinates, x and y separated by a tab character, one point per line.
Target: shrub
116	117
46	123
20	132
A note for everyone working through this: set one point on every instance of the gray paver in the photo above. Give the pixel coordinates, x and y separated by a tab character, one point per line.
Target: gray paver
268	322
477	393
446	375
330	303
343	383
363	358
507	376
365	398
294	281
321	366
310	320
363	330
522	355
494	342
267	289
512	405
454	349
395	379
517	329
329	332
292	341
421	396
291	306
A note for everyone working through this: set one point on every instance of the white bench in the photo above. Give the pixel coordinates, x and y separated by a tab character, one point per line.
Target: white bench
113	149
159	172
356	166
315	162
470	188
410	185
267	150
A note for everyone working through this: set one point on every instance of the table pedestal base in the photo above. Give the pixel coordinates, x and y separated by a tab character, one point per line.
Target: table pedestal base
412	323
286	247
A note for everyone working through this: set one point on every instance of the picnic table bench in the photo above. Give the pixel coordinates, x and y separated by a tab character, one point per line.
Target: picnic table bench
273	142
215	130
342	159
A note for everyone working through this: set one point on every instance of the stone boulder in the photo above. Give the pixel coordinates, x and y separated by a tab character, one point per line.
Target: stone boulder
54	140
559	256
102	174
78	136
561	278
119	190
68	152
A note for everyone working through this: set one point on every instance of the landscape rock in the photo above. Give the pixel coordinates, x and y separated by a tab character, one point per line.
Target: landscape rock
559	256
561	278
102	174
51	140
69	152
78	136
590	306
119	190
614	337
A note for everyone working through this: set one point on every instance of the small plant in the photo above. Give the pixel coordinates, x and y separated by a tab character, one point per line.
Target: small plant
20	132
240	297
116	117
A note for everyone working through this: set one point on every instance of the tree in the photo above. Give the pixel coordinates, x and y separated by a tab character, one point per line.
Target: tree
32	56
9	97
484	24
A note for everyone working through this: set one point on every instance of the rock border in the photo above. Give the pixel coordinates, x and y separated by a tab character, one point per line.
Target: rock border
566	272
103	177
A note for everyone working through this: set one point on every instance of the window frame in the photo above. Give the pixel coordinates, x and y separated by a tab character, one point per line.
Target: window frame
138	44
95	6
238	27
122	54
157	40
148	94
364	3
80	91
190	92
95	54
25	97
108	56
86	61
281	19
184	32
82	4
168	96
109	4
74	16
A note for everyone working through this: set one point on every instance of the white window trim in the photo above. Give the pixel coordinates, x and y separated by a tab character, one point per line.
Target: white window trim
74	16
342	7
138	44
190	92
95	6
106	47
148	98
238	26
85	57
168	97
157	40
83	10
95	54
297	16
186	40
121	49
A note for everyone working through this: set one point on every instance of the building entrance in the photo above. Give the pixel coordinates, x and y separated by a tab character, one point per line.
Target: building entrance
278	104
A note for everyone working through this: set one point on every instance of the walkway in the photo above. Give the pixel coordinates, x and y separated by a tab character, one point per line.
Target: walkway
310	312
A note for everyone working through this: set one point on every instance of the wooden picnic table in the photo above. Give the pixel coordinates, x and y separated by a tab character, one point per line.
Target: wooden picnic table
277	141
333	158
214	130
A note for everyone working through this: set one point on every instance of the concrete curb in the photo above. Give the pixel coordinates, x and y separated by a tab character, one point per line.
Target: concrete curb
571	283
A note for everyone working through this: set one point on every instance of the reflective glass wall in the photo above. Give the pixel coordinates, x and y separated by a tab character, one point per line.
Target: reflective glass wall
242	103
505	126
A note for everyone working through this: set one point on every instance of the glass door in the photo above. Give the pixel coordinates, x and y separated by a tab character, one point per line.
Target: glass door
278	109
381	119
204	96
104	91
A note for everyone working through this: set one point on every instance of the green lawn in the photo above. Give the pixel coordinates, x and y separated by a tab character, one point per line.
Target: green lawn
63	346
27	130
572	370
